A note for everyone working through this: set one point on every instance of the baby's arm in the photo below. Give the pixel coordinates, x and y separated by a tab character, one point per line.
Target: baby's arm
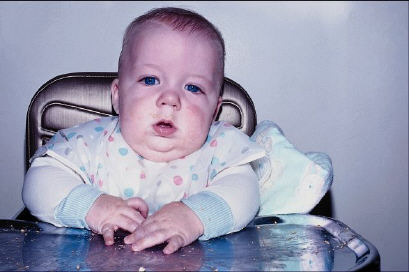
55	194
47	182
228	205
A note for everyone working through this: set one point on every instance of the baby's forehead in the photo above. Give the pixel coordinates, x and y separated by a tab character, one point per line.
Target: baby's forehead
196	34
151	33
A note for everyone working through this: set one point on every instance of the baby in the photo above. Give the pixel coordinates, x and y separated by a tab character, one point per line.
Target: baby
163	170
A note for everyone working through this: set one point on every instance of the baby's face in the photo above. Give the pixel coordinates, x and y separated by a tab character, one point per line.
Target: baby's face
167	94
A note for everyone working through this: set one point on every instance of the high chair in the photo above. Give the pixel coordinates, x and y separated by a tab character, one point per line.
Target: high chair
73	98
70	99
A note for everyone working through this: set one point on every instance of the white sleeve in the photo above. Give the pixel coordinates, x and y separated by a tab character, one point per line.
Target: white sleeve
238	186
46	183
229	203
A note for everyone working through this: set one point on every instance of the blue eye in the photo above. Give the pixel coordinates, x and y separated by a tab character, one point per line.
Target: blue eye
150	81
192	88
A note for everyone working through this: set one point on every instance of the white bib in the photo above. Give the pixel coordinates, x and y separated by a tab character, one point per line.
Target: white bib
97	152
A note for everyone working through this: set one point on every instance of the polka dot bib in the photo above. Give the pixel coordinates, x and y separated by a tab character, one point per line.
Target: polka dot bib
97	152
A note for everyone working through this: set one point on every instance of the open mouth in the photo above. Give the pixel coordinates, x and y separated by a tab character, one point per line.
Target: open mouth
164	124
164	128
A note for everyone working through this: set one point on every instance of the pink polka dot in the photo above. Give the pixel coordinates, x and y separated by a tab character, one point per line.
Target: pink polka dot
100	183
98	120
107	154
105	132
92	178
213	143
85	143
142	176
110	138
177	180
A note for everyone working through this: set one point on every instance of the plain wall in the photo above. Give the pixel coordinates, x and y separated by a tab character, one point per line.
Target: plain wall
333	75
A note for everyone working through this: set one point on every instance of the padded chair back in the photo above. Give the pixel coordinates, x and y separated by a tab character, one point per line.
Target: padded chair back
71	99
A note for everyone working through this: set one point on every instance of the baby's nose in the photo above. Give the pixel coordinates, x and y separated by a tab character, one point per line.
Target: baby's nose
169	98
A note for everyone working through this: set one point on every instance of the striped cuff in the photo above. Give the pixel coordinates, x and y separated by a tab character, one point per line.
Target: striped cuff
72	210
213	211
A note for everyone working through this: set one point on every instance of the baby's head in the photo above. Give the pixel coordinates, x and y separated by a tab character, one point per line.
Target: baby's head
168	91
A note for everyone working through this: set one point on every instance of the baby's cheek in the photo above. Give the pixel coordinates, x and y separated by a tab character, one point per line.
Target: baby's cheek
198	124
132	122
194	136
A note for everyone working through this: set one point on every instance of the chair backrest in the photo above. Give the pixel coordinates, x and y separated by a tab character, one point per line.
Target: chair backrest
71	99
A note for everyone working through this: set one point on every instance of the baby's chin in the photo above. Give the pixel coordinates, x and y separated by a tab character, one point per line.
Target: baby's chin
163	149
165	154
169	156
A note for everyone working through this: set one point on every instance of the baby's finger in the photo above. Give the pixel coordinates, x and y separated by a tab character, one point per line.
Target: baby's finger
108	234
144	230
133	215
152	239
138	204
125	223
136	235
174	243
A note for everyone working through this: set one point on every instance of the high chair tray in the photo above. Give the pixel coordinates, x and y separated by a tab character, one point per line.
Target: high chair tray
283	243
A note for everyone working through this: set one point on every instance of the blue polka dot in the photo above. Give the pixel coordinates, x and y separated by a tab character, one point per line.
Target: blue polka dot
192	167
123	151
222	134
99	129
215	161
195	177
213	174
128	192
82	168
70	135
99	165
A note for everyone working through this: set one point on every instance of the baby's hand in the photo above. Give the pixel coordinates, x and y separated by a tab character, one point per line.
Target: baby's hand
108	213
175	223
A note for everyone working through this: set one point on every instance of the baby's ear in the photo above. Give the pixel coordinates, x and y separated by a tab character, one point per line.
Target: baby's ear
115	94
